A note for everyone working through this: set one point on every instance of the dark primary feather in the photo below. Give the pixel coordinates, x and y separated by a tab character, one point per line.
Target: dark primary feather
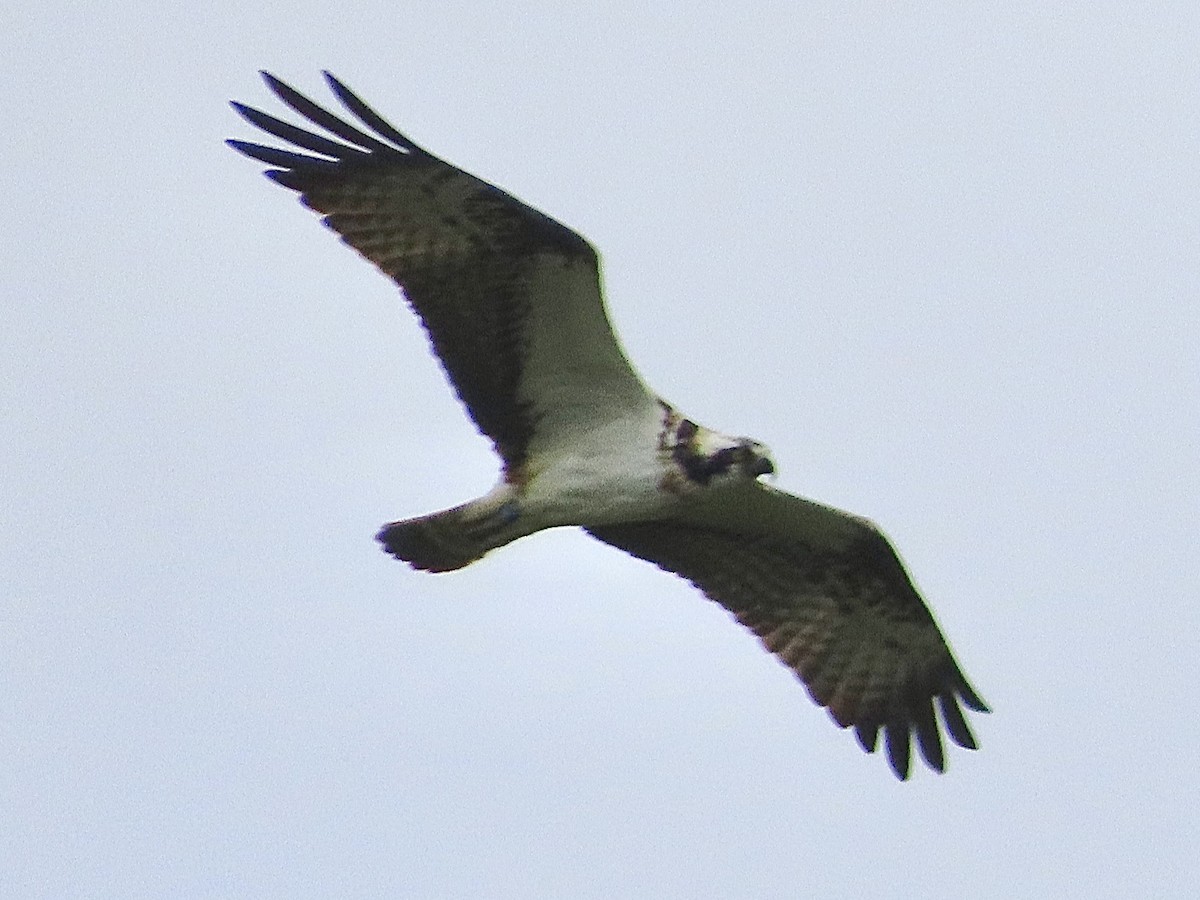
847	621
461	249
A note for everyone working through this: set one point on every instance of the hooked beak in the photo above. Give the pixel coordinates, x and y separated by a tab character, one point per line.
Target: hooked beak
762	466
755	462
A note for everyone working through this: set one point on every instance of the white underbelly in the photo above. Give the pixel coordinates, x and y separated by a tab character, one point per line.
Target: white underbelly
602	478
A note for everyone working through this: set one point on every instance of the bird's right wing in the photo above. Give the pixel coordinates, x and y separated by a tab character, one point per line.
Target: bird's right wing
511	299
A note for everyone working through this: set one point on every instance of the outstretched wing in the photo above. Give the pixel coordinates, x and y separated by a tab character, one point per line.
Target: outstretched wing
826	593
511	299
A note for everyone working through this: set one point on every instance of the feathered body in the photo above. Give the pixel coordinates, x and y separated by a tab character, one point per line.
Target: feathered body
512	303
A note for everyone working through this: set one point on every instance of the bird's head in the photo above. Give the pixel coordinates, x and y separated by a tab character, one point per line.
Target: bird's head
707	457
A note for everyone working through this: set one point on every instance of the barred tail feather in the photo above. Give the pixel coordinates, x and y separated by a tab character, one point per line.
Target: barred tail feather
449	540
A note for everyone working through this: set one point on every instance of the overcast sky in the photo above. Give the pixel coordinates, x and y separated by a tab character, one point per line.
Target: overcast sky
943	260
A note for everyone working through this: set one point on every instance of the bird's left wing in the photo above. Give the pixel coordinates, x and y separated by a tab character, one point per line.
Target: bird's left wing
827	594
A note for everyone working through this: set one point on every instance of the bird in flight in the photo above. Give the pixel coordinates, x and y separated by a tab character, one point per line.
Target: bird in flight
512	303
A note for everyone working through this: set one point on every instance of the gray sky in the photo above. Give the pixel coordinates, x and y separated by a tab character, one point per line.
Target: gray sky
943	262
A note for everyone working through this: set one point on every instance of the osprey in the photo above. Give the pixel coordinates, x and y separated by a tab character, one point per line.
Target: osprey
512	303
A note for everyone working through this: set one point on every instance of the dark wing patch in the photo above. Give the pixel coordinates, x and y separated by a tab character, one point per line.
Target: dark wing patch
460	248
848	622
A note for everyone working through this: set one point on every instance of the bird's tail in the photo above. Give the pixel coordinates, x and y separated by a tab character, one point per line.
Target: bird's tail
449	540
